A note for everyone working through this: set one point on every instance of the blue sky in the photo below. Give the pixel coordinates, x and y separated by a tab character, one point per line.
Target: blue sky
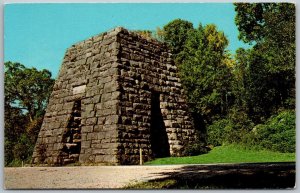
37	35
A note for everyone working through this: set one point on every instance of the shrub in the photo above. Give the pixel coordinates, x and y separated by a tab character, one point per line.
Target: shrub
230	130
218	131
278	133
23	149
15	163
195	149
8	153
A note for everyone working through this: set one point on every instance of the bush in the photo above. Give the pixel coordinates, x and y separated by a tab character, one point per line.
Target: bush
195	149
23	149
231	129
15	163
218	131
278	133
8	153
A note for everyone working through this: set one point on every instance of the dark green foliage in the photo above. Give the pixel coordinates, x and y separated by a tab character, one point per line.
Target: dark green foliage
204	71
14	127
217	133
269	67
8	153
229	130
195	149
231	96
23	148
26	96
277	134
250	20
260	21
264	76
203	65
27	88
259	90
175	34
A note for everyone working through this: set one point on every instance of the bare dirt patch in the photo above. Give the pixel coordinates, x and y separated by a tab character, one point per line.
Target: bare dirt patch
82	177
204	176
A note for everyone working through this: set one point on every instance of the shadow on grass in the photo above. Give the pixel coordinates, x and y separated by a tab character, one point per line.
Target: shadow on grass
227	176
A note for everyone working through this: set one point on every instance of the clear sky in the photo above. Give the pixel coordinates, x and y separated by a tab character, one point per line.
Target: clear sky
37	35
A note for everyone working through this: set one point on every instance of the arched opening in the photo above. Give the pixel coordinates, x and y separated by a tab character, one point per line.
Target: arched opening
159	138
72	136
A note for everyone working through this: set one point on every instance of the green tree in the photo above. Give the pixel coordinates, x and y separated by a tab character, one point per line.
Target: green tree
27	88
261	22
26	95
240	71
175	34
270	69
204	71
14	127
23	148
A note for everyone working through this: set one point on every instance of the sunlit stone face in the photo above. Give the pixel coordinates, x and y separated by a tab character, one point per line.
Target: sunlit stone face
79	89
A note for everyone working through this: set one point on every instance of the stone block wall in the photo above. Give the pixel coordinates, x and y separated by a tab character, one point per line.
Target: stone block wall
147	70
116	93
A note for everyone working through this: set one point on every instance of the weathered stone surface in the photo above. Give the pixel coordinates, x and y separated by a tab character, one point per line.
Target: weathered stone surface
116	93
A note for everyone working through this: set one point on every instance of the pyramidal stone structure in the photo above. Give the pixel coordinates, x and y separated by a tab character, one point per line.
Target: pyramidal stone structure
117	94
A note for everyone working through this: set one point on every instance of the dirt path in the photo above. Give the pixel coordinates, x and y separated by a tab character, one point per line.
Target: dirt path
246	175
92	177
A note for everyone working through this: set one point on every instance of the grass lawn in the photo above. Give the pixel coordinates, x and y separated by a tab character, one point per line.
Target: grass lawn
228	154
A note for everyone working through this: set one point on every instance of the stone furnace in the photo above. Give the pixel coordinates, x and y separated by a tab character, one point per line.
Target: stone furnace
116	93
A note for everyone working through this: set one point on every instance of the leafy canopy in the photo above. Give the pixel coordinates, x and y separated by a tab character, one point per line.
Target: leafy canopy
26	96
203	65
269	67
175	34
27	88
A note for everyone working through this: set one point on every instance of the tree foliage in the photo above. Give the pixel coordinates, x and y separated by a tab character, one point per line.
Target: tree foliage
202	61
235	94
259	22
27	88
26	96
264	80
14	125
175	34
269	67
278	133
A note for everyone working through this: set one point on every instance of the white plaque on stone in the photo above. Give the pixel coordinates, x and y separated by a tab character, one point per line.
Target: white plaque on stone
79	89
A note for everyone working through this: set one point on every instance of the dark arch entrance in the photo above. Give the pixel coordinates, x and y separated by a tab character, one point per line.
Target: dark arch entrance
159	138
72	136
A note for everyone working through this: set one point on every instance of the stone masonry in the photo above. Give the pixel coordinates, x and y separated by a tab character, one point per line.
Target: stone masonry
117	93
